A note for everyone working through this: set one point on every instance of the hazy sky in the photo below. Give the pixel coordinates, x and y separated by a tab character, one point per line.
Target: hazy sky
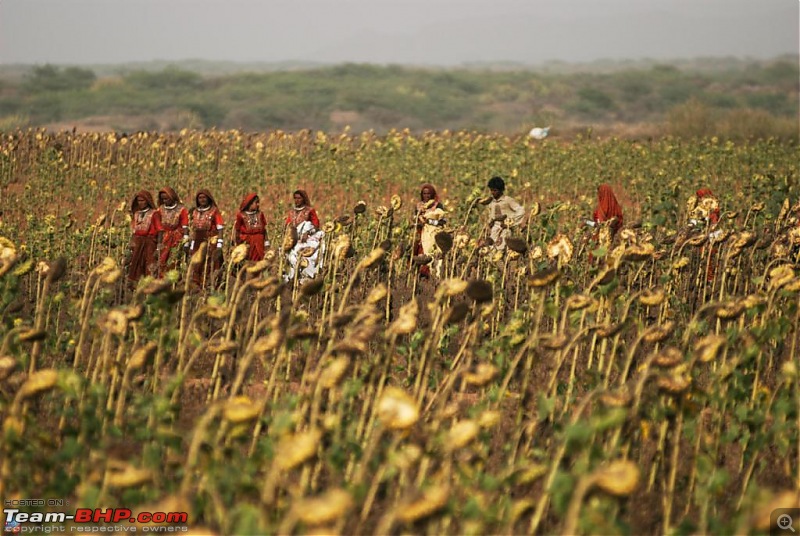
434	32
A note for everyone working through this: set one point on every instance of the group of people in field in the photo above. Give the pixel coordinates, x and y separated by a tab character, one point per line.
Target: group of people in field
165	232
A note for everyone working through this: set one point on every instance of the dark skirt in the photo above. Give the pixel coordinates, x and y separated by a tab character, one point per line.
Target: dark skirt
143	257
208	271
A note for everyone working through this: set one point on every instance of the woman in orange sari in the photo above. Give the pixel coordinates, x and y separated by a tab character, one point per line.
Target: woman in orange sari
206	226
251	227
608	210
146	225
175	224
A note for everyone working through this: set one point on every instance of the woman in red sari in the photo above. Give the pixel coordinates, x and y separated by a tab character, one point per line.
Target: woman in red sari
251	227
146	225
607	210
428	217
175	224
206	226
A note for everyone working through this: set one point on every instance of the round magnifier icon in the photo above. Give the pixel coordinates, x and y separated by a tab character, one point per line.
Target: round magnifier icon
785	522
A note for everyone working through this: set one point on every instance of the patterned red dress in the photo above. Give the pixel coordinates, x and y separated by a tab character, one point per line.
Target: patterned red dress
175	225
251	228
206	226
145	224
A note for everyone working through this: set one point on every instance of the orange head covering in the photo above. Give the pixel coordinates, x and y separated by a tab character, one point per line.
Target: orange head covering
304	195
211	201
147	197
249	198
172	196
607	206
435	196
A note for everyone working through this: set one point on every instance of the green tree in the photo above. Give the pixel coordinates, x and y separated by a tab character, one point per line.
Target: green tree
51	78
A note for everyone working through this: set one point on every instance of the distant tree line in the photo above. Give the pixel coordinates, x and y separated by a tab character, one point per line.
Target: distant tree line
671	100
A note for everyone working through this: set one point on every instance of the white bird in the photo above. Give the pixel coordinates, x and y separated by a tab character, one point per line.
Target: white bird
539	133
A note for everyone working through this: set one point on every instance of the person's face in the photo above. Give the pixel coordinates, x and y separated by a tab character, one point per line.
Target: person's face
254	205
496	193
202	200
163	198
141	202
298	200
426	194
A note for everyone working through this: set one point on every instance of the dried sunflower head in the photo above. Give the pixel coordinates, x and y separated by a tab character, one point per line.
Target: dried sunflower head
561	248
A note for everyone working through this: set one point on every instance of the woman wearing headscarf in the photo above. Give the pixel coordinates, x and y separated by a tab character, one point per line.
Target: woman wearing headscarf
206	226
428	219
608	211
302	210
303	252
175	224
704	212
146	225
251	227
706	208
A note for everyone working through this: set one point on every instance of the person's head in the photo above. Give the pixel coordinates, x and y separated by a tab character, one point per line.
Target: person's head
427	192
167	196
250	203
203	199
704	192
604	190
301	199
142	200
497	186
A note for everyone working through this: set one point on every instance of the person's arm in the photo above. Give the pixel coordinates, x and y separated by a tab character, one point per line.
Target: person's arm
518	212
313	218
238	226
216	222
157	228
263	220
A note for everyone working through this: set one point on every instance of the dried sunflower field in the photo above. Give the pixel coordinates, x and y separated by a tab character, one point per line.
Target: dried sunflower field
525	391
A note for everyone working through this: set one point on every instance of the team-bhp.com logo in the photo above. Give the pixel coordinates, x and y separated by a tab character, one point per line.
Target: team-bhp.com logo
15	519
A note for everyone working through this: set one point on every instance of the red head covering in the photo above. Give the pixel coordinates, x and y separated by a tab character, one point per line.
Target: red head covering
147	197
432	189
607	206
304	195
211	201
713	216
249	198
704	192
172	196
